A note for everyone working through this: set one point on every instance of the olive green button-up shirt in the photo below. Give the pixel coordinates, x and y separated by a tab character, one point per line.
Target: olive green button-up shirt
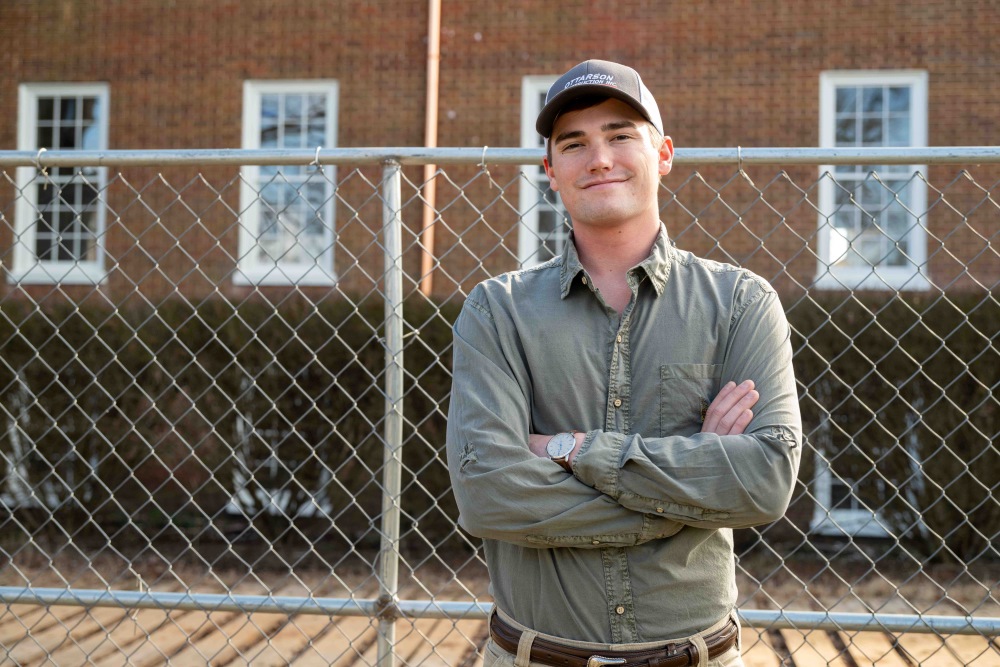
636	545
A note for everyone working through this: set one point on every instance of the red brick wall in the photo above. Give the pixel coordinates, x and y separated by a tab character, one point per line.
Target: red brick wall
726	74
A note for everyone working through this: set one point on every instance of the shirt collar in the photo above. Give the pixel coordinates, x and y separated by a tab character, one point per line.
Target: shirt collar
656	266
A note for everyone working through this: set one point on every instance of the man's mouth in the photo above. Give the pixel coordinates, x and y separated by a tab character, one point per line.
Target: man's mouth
594	184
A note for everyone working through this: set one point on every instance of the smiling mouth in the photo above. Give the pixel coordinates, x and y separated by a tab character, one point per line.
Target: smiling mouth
600	183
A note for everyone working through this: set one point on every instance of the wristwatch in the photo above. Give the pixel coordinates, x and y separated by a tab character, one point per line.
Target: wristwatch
559	447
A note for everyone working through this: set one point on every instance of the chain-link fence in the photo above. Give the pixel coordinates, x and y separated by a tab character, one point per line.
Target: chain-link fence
224	380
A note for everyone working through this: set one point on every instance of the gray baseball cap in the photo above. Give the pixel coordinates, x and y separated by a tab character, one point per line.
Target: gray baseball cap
598	77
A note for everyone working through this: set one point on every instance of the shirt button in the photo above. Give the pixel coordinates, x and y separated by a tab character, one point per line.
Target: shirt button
619	610
585	280
619	338
597	541
659	510
618	402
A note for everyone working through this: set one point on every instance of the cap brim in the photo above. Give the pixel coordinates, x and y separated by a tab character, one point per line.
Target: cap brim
547	117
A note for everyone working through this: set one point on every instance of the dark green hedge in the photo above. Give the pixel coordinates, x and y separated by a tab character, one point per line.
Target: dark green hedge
136	424
899	395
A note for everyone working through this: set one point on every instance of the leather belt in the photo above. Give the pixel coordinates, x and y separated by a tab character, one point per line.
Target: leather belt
674	654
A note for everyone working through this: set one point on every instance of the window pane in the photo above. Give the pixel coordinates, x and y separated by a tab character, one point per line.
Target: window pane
44	137
872	132
43	247
316	136
839	243
67	137
548	222
315	194
317	109
871	195
91	108
293	136
269	137
91	139
899	131
269	121
869	246
44	196
899	99
846	219
847	100
293	109
88	195
46	109
897	221
269	110
846	132
841	197
872	99
67	109
88	251
65	251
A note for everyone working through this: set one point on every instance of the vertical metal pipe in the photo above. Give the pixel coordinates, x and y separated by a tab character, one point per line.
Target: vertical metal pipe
430	141
388	565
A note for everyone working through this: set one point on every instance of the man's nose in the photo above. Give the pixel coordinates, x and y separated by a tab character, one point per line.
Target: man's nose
600	157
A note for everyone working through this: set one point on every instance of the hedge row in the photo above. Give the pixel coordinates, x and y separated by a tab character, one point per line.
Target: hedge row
143	424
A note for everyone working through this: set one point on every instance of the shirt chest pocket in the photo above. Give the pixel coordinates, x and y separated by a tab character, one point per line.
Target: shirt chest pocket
686	390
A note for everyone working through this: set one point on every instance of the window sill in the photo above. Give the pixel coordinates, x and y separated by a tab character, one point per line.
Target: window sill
58	273
884	280
287	275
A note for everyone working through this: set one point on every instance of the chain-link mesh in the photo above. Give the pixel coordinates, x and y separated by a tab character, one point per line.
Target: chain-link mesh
202	441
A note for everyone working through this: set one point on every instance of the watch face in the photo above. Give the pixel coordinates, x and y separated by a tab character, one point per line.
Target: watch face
560	445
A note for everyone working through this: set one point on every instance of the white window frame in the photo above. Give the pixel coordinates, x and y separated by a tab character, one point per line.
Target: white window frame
534	181
27	268
250	270
914	275
855	520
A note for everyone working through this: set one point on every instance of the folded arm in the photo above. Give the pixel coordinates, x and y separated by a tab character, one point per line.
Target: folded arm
710	480
504	491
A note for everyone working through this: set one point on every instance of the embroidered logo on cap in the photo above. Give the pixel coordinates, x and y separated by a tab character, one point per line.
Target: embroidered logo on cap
602	79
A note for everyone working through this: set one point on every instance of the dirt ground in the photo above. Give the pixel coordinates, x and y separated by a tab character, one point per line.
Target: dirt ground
71	635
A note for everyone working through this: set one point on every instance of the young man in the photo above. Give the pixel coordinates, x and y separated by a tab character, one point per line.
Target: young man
618	410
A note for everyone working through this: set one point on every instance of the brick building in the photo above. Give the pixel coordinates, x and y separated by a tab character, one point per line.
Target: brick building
183	74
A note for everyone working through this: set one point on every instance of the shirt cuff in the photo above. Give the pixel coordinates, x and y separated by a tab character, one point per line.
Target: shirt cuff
597	464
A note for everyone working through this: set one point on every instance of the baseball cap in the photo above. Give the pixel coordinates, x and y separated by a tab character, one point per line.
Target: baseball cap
598	77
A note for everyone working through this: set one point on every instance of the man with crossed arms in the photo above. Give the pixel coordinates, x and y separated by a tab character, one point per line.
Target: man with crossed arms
617	411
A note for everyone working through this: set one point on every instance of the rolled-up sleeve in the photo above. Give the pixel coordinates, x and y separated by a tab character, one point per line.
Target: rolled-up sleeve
706	480
505	492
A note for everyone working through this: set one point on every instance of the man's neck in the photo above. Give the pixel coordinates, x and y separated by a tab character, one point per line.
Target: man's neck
608	253
611	252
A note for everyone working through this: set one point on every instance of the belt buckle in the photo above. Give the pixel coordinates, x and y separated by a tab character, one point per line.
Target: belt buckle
599	660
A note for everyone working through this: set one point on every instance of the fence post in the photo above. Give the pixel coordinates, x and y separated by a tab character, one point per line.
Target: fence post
388	568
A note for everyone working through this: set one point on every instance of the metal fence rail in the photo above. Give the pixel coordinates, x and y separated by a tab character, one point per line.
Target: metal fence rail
224	378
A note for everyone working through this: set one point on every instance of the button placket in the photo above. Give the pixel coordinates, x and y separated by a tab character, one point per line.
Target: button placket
620	381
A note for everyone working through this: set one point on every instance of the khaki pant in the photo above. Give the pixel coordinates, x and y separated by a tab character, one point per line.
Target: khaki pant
497	657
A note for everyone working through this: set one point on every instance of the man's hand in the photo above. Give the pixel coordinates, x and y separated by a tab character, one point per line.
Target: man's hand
730	413
536	443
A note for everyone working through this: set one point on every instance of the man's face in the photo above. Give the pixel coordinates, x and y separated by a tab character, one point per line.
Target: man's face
604	165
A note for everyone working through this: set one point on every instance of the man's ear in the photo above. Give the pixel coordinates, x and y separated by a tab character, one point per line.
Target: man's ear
551	174
666	156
